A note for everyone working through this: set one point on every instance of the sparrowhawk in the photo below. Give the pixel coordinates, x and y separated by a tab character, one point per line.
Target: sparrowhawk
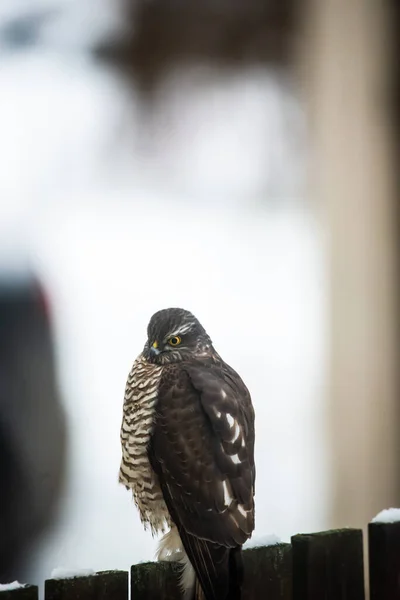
187	439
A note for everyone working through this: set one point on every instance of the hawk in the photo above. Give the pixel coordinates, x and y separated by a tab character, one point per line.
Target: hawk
187	439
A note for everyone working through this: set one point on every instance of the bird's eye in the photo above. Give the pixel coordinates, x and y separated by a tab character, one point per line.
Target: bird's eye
174	340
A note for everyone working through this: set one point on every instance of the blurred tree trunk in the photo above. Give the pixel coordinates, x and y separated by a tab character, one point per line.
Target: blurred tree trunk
347	64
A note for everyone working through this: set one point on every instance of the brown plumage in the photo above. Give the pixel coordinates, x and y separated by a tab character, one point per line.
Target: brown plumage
188	453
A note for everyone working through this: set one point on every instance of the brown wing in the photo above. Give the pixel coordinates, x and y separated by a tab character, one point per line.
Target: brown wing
202	449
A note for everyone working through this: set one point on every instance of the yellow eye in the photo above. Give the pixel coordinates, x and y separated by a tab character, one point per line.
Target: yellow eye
175	340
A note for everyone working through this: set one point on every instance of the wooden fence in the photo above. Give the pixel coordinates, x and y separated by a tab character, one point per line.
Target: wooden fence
320	566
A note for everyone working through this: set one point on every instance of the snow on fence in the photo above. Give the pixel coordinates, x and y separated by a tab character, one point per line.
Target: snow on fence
327	565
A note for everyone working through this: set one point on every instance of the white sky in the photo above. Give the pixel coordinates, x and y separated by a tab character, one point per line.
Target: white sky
125	213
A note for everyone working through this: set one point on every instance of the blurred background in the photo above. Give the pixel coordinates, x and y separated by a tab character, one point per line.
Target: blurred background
238	159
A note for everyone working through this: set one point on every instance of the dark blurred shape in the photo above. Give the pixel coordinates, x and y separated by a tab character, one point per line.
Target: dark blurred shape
167	32
32	425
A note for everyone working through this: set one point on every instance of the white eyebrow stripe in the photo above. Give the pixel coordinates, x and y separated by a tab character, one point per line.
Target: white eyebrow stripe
183	329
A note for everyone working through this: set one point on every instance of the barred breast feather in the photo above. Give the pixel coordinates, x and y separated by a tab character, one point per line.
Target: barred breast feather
136	472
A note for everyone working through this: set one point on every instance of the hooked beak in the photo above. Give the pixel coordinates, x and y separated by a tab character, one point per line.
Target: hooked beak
154	349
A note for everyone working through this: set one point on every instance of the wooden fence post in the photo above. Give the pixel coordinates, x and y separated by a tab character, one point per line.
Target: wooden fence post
268	573
384	560
28	592
328	565
155	581
105	585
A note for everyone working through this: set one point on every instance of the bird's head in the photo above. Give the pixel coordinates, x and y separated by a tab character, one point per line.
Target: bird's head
173	335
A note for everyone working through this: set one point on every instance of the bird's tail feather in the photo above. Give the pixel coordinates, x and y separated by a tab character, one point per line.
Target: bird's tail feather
235	574
235	578
198	591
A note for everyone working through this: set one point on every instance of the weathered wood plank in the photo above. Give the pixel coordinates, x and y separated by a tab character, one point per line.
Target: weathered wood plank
155	581
28	592
105	585
268	573
384	561
328	565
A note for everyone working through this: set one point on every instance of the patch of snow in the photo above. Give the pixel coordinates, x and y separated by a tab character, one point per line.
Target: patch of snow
14	585
62	573
389	515
264	540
